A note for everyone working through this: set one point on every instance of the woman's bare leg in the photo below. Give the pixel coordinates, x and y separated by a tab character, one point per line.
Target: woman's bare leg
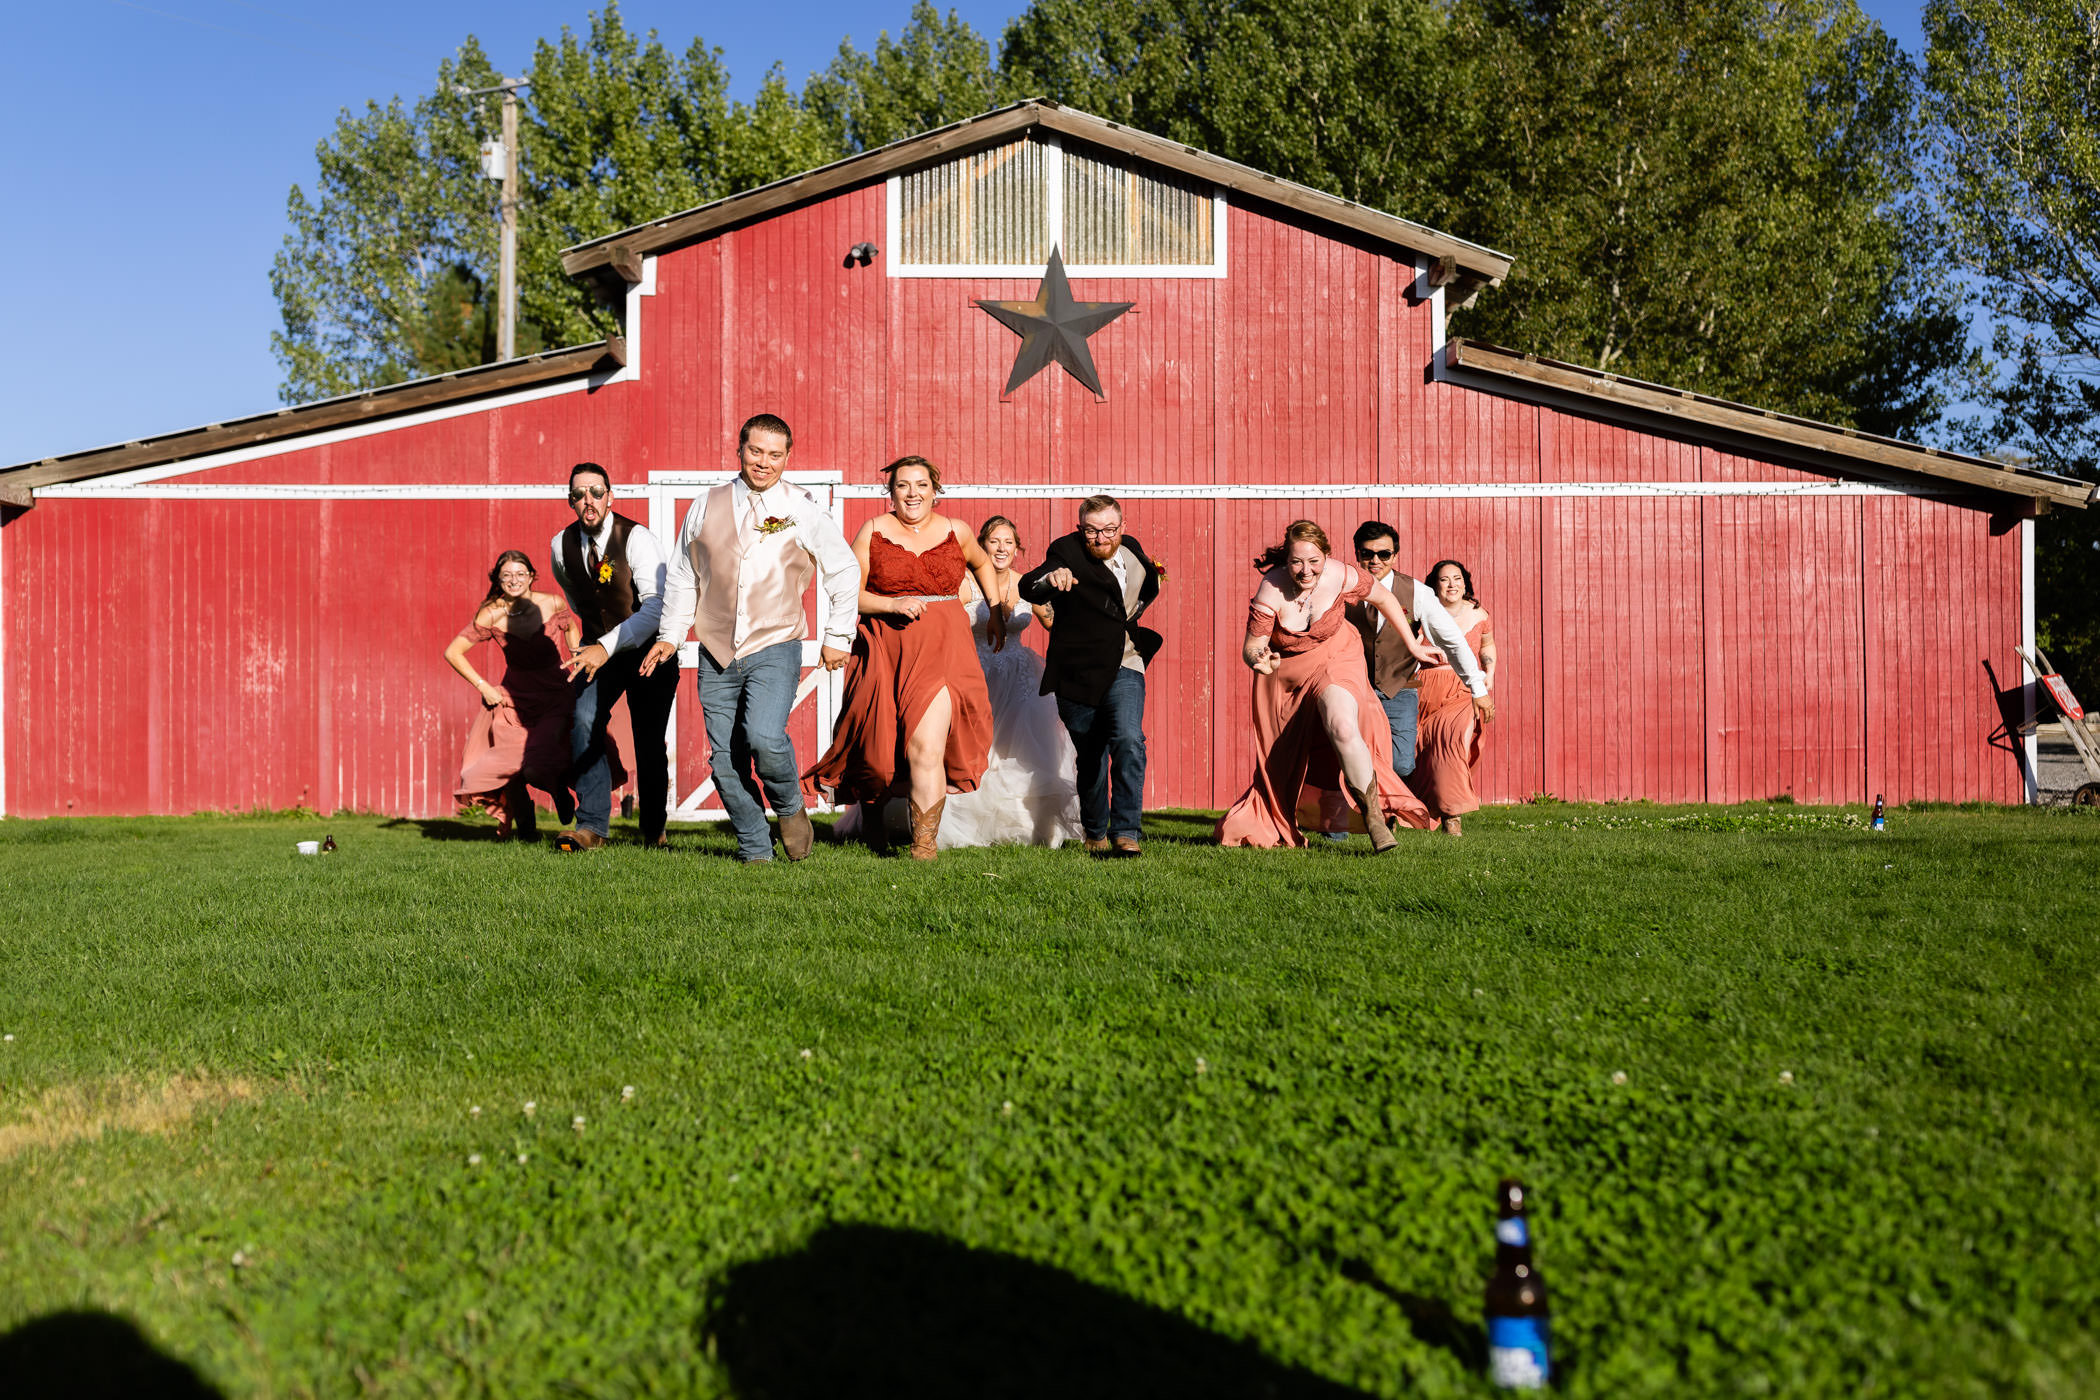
1338	713
926	751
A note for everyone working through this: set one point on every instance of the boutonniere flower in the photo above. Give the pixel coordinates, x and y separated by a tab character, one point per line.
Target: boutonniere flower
1159	567
605	571
774	524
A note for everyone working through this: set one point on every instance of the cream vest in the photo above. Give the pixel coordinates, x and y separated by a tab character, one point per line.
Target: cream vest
753	584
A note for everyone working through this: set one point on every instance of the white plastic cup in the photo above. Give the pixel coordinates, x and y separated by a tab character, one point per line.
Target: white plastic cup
309	848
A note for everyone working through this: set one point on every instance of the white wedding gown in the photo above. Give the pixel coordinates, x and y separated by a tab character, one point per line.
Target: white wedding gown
1029	792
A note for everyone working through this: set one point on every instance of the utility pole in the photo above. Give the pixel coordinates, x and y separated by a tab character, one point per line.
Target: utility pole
499	161
507	327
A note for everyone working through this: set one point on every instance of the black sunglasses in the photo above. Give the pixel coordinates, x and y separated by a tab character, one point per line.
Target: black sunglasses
1381	555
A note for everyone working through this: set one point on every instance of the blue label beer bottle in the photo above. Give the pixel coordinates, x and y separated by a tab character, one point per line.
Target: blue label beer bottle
1519	1355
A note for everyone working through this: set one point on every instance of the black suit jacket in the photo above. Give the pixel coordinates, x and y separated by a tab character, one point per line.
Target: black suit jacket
1086	644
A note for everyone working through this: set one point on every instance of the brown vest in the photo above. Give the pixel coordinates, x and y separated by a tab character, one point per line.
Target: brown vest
1392	665
600	607
755	579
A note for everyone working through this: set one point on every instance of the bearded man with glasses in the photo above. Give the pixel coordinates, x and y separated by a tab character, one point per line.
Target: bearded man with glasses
1101	581
611	569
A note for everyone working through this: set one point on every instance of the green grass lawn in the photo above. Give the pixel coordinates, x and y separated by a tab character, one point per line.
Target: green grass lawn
1805	1111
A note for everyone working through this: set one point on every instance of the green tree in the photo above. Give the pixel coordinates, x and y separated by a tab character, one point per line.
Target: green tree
1723	191
2015	101
938	71
401	211
387	274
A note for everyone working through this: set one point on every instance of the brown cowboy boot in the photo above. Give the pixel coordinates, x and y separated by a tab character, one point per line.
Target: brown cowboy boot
1382	838
926	830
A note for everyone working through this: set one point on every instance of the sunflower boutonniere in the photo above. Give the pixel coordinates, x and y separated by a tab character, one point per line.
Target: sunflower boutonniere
774	524
1159	567
605	571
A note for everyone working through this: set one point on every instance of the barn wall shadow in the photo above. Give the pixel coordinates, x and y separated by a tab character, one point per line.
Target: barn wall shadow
87	1355
869	1311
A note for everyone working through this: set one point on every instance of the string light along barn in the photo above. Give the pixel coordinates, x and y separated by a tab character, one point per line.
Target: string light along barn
1694	600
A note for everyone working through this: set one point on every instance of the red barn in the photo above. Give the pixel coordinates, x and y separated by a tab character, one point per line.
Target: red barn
1696	601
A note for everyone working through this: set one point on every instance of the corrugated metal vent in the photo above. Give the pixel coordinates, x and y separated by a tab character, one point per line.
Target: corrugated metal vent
1116	215
988	207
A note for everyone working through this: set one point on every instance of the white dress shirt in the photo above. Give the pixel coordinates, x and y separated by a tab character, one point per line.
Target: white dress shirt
1442	630
1120	564
838	572
645	559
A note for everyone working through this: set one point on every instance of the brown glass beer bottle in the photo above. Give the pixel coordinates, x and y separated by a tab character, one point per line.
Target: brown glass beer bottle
1518	1349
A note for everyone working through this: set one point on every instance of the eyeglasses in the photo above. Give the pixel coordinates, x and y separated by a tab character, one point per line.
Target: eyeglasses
1376	556
1110	533
596	493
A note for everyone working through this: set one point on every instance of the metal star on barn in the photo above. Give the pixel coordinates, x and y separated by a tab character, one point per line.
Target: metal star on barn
1054	327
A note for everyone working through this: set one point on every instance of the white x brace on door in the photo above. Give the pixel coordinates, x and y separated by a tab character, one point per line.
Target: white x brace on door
819	687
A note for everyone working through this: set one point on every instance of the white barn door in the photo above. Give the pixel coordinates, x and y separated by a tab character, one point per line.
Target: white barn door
819	688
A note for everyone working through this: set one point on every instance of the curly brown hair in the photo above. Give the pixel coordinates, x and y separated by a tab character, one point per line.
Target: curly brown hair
1301	531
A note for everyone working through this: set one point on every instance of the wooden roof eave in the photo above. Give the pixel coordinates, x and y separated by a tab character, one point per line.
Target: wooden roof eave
622	251
1863	451
18	484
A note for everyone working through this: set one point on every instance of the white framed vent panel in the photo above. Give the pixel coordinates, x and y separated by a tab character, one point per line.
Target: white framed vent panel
999	211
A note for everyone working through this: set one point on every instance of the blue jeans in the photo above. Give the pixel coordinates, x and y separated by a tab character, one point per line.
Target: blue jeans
1110	733
745	706
649	701
1401	712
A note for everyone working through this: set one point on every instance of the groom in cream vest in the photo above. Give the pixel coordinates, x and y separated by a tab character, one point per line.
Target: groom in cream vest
746	556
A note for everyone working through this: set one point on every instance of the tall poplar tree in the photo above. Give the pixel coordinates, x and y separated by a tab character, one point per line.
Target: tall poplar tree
2015	97
388	271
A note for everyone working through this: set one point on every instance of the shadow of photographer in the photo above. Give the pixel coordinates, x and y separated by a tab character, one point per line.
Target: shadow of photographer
871	1311
87	1355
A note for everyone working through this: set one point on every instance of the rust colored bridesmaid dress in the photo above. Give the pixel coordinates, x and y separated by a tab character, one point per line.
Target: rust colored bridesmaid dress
1295	765
1447	736
899	667
527	736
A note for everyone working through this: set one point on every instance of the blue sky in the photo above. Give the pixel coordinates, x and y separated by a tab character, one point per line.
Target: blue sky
149	146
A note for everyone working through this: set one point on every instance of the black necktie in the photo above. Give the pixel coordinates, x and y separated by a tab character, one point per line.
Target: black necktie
590	561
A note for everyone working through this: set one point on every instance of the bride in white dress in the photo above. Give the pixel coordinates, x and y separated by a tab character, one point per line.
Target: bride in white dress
1029	793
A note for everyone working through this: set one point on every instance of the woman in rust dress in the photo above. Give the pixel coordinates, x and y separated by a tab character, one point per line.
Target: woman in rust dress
521	737
1447	743
1318	725
916	716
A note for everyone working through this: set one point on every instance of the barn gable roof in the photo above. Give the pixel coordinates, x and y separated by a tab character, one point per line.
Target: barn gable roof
1461	266
1699	415
1469	265
18	484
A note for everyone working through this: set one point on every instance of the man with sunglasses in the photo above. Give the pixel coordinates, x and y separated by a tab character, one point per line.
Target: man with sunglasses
611	569
1391	665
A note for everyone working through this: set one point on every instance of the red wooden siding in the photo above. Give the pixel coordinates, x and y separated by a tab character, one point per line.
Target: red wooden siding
223	654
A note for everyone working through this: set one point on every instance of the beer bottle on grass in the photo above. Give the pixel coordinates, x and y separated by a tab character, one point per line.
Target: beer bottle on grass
1518	1353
